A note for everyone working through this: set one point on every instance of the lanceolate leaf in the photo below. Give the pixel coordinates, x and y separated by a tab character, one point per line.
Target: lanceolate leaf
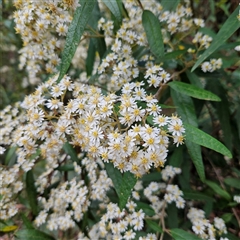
152	28
185	109
31	192
197	136
116	177
129	181
75	31
32	234
229	27
233	182
123	184
113	6
179	234
193	91
154	226
217	189
70	151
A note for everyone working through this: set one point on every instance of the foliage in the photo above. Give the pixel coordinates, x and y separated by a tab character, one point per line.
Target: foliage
122	121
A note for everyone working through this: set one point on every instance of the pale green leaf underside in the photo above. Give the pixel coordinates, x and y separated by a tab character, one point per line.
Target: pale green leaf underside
179	234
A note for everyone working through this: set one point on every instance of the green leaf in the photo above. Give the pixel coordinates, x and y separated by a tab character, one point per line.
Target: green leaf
172	213
199	137
169	4
185	109
173	55
66	167
229	27
123	184
193	195
90	58
32	234
148	210
31	192
75	31
11	156
193	78
193	91
176	158
27	223
70	151
179	234
115	175
128	183
223	111
217	189
227	217
232	182
154	226
152	28
113	6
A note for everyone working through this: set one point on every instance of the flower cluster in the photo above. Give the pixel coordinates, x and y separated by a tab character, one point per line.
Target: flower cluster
66	203
41	25
203	228
212	65
10	187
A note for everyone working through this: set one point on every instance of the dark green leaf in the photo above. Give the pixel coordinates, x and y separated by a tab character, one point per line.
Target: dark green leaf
114	7
66	167
227	217
90	57
193	78
32	234
176	158
223	111
172	213
193	195
11	156
233	182
70	151
147	209
169	4
193	91
217	189
27	223
116	177
185	109
152	28
228	28
154	226
32	192
154	176
128	183
199	137
75	31
179	234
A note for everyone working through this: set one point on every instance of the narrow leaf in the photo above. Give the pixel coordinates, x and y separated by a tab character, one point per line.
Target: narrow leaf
152	28
70	151
113	6
179	234
154	226
217	189
185	109
147	209
32	234
197	136
90	57
193	91
229	27
11	156
193	195
31	192
8	229
128	183
232	182
116	177
75	31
